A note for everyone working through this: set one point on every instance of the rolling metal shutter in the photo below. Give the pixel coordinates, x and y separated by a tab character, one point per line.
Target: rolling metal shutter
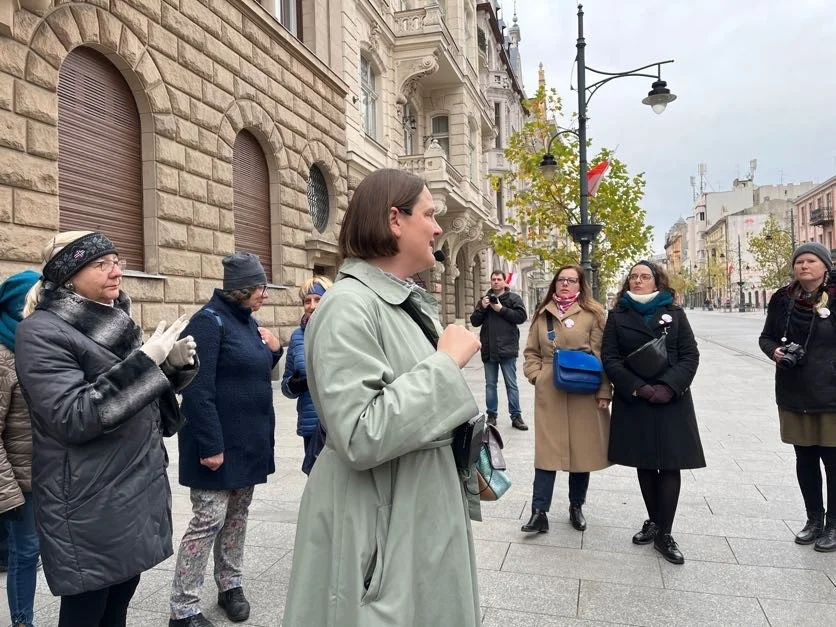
100	154
251	198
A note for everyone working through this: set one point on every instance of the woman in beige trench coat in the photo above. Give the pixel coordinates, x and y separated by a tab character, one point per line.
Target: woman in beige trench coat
571	430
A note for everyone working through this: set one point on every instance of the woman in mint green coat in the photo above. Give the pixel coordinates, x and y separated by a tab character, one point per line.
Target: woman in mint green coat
384	536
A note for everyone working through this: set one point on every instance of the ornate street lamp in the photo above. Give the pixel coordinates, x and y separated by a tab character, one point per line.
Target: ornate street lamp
658	98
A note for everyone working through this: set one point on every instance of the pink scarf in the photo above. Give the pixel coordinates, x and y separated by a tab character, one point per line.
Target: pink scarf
564	303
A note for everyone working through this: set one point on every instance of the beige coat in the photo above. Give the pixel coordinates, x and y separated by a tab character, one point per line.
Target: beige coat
571	433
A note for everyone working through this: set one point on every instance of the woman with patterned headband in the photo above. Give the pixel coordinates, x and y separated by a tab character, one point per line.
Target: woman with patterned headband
295	379
101	402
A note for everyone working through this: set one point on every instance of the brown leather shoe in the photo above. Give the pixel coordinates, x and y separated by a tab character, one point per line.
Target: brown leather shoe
517	423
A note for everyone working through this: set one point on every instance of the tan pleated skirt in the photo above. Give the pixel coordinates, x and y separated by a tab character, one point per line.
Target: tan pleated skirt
807	429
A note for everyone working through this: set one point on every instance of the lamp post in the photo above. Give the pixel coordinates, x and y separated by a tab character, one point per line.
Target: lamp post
658	98
741	306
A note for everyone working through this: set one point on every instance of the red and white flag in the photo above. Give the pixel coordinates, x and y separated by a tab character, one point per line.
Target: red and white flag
595	174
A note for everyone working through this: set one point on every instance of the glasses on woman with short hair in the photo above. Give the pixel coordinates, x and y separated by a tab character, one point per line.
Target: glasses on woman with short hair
106	265
567	280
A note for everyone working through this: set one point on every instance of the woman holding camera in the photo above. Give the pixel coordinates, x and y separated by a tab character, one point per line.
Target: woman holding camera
653	427
800	336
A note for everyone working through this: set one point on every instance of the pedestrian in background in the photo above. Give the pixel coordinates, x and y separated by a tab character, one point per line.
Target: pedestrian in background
499	314
17	515
799	335
653	427
571	431
100	402
295	378
226	447
383	536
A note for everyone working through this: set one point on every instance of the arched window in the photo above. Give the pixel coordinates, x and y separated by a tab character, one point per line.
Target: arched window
251	198
100	154
318	206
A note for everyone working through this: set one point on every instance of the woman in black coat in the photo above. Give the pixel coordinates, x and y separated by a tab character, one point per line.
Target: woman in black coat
805	386
101	401
653	427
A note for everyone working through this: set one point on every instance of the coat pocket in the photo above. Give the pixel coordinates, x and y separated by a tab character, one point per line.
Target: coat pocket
66	479
373	571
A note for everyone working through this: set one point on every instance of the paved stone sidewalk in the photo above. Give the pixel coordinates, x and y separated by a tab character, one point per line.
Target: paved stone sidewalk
735	523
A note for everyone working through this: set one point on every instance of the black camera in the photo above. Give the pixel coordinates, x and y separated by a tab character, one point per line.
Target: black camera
493	299
793	354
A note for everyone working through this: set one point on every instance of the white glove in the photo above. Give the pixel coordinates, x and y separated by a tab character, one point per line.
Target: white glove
160	344
183	352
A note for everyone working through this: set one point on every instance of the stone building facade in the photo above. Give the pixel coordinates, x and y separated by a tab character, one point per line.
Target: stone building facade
187	129
205	78
426	79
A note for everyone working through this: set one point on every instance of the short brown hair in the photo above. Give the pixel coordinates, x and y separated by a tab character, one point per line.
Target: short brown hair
500	273
365	231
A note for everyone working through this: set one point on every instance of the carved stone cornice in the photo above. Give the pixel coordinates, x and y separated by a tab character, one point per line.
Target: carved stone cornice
410	72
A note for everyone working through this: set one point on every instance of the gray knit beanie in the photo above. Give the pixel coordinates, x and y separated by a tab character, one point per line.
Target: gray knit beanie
243	270
814	248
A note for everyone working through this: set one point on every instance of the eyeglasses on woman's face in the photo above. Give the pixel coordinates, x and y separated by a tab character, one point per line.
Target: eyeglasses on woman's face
567	280
106	265
262	289
635	278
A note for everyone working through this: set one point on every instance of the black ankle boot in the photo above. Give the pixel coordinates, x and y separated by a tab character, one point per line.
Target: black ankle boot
647	534
235	604
826	542
667	546
576	517
812	530
538	523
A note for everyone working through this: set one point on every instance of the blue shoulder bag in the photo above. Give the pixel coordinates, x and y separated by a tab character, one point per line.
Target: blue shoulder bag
575	372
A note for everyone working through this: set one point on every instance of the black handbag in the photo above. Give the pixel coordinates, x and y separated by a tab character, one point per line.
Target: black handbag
467	442
649	359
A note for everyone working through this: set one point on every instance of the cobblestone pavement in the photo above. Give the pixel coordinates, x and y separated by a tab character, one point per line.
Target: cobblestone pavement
735	523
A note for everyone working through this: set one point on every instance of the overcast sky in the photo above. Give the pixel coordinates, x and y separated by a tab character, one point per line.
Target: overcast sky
754	79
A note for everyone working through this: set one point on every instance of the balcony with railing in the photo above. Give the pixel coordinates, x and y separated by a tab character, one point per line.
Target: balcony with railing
821	215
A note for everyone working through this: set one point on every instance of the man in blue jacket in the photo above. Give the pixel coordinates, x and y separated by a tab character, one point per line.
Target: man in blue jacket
499	313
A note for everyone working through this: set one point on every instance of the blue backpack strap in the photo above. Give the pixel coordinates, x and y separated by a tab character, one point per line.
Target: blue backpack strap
218	318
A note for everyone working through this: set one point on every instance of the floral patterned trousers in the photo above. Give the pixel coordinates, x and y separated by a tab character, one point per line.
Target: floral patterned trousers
219	520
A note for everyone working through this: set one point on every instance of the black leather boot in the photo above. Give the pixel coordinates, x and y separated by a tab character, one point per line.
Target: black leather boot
812	530
538	523
491	419
647	534
235	605
667	546
826	542
576	517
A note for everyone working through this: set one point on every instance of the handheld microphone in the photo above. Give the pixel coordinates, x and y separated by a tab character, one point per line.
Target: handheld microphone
439	255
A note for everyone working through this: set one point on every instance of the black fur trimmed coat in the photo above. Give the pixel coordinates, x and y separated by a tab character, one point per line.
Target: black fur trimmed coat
102	498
